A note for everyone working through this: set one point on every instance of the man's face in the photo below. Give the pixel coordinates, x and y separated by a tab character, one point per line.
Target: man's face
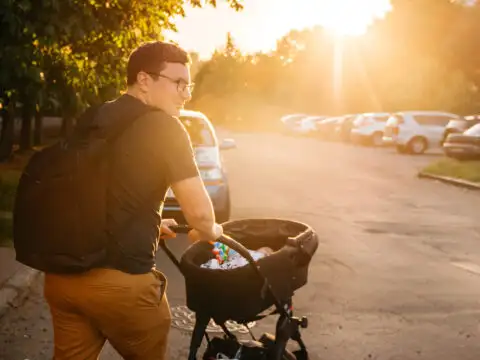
170	89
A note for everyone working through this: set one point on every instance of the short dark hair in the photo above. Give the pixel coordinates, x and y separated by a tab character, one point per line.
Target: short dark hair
152	56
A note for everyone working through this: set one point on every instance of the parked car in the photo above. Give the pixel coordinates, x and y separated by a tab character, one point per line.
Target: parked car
291	118
290	121
344	127
415	132
307	125
325	128
464	146
368	128
207	154
458	126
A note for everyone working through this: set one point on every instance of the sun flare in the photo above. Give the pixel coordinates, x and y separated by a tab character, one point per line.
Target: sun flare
349	17
262	22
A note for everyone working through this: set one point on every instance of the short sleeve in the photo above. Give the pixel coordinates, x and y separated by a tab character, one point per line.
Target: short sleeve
161	141
177	151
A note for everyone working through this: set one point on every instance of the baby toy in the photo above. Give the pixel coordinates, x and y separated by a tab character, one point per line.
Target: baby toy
222	252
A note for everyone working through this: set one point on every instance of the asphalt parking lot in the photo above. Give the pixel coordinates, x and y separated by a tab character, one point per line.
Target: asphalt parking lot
397	271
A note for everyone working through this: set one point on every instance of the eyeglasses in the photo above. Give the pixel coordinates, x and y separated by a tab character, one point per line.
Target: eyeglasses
181	85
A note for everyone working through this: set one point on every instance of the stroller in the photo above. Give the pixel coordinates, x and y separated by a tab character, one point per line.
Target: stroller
245	294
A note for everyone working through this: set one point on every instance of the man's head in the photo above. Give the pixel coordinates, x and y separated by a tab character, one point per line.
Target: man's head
158	74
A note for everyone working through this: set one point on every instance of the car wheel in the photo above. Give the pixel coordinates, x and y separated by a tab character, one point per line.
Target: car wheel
418	145
377	139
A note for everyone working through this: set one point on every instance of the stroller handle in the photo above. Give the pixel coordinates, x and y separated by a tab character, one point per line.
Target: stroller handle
224	239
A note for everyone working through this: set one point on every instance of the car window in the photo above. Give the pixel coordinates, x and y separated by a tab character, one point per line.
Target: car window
435	120
472	117
395	120
358	120
459	123
293	118
381	118
199	131
473	131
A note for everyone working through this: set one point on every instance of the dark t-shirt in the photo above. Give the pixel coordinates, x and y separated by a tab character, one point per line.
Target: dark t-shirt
154	152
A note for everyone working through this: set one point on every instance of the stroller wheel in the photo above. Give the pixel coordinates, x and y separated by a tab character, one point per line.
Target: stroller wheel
268	341
288	356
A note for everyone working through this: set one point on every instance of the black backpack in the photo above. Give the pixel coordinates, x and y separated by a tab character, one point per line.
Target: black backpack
60	209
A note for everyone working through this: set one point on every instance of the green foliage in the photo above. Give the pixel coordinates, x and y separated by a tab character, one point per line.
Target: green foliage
466	170
8	186
71	53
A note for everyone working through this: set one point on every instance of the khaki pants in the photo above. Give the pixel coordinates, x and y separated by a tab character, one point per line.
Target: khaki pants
130	311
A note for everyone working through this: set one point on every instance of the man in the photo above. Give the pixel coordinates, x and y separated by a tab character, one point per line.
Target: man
125	301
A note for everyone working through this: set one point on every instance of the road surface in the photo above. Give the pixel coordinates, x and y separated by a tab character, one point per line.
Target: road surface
397	272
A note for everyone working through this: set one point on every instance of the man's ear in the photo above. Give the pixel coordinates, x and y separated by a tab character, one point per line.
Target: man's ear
142	80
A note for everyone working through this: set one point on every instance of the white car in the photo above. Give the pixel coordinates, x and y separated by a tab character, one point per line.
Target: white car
291	118
415	132
290	122
368	128
207	149
307	125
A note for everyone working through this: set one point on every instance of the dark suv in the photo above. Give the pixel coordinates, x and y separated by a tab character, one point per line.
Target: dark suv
459	126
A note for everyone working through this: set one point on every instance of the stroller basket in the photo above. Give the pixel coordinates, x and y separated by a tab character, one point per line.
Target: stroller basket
240	294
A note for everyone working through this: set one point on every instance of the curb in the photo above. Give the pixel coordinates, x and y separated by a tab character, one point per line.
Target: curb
14	290
452	181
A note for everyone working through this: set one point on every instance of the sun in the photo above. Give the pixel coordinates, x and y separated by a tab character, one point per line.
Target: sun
349	17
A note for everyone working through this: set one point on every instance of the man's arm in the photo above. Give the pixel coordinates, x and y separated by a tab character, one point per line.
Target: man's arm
185	181
197	207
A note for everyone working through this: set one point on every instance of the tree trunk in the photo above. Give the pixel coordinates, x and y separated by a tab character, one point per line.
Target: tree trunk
26	131
8	131
38	131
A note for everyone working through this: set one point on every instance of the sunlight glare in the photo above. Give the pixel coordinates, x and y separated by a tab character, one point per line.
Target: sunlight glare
349	17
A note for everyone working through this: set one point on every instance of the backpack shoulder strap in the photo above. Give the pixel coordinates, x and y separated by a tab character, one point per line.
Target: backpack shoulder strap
122	123
88	124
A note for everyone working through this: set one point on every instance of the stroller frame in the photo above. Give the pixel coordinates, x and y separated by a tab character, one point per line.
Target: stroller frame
287	326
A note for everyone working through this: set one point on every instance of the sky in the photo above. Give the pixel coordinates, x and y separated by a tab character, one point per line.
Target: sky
262	22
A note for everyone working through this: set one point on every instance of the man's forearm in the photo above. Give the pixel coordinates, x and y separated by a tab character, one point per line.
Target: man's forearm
202	221
196	205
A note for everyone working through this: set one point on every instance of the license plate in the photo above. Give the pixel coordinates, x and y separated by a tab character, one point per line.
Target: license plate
170	193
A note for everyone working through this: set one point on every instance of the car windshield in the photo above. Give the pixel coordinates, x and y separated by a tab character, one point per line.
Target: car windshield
358	120
199	131
381	118
473	131
394	120
293	118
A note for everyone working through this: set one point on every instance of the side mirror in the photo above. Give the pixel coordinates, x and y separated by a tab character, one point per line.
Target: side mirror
227	144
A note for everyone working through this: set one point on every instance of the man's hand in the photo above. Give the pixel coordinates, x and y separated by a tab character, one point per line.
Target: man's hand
165	231
195	235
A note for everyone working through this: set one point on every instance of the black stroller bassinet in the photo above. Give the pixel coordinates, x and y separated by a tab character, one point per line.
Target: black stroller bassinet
242	294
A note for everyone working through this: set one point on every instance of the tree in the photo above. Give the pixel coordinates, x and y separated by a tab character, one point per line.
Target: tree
72	53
